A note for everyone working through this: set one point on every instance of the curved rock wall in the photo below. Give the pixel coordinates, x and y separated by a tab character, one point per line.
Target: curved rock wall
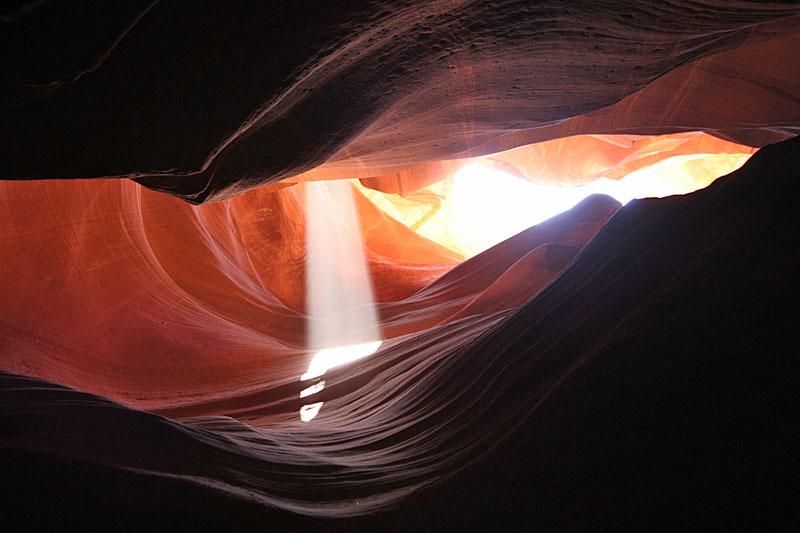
209	102
584	373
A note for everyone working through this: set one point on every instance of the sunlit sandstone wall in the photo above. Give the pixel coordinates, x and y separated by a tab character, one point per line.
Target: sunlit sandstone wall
139	296
494	416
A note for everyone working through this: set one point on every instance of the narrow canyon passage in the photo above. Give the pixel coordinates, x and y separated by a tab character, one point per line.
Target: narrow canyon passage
562	237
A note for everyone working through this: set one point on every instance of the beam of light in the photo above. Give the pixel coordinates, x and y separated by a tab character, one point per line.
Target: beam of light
476	208
339	296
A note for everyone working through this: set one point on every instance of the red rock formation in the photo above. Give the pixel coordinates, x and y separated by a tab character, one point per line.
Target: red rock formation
648	373
182	305
585	393
423	83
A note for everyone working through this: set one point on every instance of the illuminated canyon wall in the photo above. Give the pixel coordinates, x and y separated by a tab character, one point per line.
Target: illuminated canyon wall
599	369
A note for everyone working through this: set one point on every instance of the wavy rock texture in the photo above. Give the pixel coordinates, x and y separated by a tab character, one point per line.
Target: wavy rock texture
604	369
143	298
646	379
208	102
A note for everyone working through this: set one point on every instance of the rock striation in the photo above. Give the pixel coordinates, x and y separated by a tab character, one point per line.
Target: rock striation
611	367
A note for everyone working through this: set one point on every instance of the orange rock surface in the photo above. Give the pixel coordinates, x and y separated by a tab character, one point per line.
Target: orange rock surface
171	304
607	367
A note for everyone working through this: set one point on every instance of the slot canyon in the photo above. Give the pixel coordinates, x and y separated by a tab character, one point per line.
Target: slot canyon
202	205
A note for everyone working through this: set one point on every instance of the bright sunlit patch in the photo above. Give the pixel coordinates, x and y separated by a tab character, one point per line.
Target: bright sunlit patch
678	175
308	412
333	357
324	361
490	206
312	389
467	212
485	206
479	207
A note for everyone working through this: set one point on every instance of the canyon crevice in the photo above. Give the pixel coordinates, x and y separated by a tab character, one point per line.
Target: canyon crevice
614	367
